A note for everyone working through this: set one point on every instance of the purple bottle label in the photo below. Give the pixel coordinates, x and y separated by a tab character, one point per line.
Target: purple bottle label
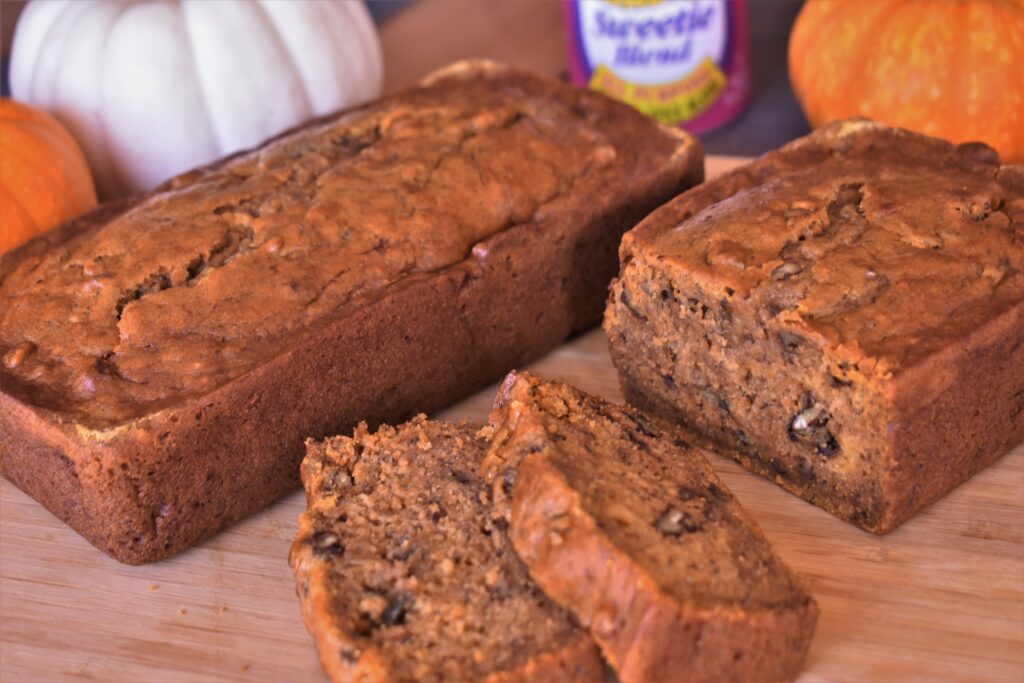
684	63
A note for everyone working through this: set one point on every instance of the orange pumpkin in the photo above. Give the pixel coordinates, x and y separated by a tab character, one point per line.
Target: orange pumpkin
950	69
44	178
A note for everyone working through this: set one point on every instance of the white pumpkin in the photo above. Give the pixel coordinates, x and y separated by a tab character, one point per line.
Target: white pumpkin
152	89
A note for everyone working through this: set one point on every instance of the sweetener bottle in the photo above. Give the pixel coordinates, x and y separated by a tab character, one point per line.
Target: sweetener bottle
682	62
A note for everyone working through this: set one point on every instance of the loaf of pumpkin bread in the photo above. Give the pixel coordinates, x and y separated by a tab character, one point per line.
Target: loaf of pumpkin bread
404	575
164	358
621	519
846	314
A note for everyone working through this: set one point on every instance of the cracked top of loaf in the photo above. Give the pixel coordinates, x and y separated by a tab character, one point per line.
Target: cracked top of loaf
887	243
168	296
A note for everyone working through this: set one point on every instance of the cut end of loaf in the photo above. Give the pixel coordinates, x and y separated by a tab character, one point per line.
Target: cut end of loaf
833	313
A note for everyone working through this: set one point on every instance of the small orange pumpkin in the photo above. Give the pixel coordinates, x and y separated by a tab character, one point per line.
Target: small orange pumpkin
44	178
950	69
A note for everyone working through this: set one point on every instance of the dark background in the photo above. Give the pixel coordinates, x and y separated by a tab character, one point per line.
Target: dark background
772	119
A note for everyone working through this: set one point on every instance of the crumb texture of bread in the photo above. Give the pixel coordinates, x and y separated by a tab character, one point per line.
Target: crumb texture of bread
845	315
405	576
370	265
620	518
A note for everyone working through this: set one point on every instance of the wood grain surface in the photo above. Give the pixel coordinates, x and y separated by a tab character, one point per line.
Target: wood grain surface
940	599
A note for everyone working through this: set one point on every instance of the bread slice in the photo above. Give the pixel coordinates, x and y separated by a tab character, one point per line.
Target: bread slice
624	522
404	576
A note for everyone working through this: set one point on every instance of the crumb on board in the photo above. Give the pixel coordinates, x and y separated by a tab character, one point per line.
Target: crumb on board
153	586
181	612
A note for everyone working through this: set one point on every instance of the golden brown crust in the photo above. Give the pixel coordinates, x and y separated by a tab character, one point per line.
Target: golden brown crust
330	640
845	314
151	466
937	226
230	266
685	623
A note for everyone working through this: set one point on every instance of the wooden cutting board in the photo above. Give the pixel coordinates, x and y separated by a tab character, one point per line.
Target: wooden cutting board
941	599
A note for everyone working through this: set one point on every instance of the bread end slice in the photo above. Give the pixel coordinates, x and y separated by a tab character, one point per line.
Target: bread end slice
622	520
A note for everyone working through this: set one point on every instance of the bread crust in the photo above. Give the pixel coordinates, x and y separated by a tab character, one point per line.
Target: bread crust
148	487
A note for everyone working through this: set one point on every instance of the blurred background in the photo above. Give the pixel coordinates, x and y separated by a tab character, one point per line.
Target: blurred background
419	35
